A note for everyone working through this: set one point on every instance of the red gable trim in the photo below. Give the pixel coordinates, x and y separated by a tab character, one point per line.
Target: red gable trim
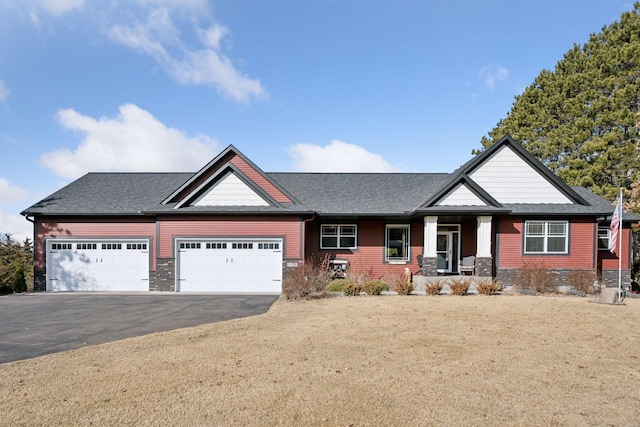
260	180
237	159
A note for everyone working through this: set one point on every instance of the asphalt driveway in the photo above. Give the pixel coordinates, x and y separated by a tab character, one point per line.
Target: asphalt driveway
37	324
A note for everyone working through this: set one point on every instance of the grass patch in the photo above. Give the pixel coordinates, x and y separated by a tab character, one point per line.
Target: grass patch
351	361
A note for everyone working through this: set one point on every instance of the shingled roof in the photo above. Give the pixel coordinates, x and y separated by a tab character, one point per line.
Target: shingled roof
324	194
327	194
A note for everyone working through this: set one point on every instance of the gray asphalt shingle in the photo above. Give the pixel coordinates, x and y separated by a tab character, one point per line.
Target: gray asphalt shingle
329	194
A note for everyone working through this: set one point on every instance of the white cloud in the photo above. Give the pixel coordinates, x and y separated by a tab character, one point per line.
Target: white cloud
60	7
4	92
16	225
204	64
491	74
10	192
194	5
337	157
134	140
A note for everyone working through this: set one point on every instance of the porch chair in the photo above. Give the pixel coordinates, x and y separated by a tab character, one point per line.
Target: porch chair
468	265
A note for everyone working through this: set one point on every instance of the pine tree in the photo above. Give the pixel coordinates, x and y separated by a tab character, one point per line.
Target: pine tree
16	265
581	120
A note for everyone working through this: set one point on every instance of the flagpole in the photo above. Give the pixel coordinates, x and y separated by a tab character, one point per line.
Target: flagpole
620	250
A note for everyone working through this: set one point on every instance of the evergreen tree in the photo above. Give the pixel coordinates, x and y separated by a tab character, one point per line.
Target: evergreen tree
581	120
16	265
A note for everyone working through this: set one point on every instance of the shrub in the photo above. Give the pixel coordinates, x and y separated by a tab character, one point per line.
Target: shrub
308	280
488	286
19	281
399	282
583	281
460	286
351	289
434	288
375	287
359	270
337	285
535	277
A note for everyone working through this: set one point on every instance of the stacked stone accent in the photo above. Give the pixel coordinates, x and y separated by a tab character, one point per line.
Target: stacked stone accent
484	267
610	278
39	281
430	266
165	277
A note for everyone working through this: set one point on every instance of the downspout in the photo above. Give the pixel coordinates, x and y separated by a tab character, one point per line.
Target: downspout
35	252
304	234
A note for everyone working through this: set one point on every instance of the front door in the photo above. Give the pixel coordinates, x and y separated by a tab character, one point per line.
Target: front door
448	251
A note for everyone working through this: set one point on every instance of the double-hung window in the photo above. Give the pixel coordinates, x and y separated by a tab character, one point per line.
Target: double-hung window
338	237
604	234
546	237
397	243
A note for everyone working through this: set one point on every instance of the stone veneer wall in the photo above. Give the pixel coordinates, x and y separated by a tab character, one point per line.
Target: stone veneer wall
484	267
39	281
609	277
165	276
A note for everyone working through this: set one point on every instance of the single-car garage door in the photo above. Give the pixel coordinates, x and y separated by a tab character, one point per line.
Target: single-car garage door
228	265
97	265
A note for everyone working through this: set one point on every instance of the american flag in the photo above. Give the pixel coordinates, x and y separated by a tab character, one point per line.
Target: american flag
616	222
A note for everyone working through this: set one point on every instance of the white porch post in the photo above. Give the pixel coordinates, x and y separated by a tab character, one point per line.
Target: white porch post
430	236
484	237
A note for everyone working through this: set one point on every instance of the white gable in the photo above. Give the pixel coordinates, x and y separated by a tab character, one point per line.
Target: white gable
230	191
461	196
510	179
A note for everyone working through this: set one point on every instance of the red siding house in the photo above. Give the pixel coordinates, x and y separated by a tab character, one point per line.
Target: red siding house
231	227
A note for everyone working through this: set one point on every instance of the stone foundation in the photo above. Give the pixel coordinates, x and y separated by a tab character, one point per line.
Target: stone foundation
610	278
507	277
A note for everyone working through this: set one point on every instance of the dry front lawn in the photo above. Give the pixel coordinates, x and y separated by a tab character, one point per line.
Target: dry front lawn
360	361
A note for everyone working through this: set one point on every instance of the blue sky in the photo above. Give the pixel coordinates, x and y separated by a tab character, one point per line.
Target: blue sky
332	85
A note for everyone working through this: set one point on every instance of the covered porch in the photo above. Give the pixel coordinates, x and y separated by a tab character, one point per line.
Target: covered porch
450	240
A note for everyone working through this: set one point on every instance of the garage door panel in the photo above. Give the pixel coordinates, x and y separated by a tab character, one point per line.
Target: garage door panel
219	265
97	266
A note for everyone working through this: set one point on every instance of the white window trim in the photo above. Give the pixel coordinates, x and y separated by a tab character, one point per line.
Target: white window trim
355	236
405	258
545	236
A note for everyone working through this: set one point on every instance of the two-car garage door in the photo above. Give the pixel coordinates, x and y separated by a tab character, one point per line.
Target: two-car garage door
97	265
202	265
229	265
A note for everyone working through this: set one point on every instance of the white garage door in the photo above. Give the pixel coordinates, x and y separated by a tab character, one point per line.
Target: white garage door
97	265
253	265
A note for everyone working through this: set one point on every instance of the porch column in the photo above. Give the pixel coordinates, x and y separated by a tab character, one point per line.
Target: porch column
430	256
484	260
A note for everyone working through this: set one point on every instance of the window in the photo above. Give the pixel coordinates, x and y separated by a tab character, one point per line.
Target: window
60	246
242	246
136	246
216	246
397	243
86	246
604	234
190	245
110	246
338	237
546	237
268	245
